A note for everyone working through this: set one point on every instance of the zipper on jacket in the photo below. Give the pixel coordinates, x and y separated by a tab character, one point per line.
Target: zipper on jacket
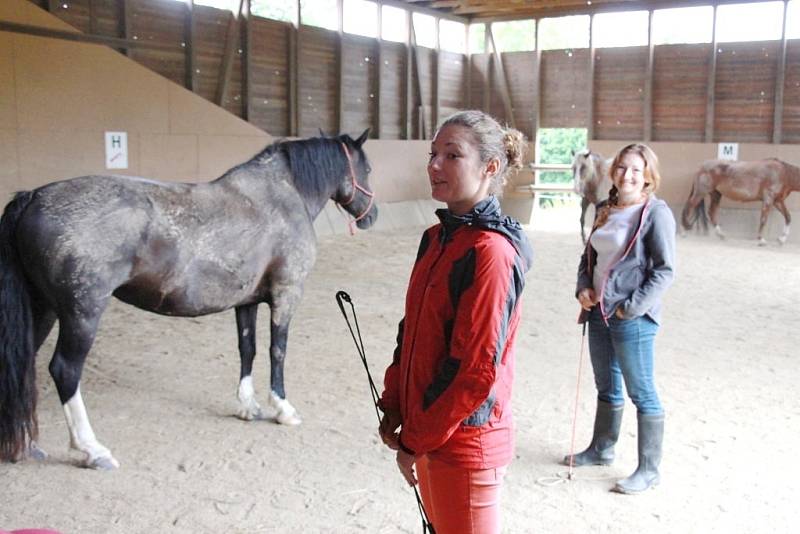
441	244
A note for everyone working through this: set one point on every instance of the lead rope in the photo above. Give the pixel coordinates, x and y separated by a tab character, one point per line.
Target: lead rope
564	477
341	298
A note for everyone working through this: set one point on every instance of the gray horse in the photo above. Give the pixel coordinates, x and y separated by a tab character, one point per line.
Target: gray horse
169	248
591	181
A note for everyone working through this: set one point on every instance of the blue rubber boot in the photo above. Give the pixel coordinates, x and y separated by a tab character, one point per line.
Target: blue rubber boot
607	422
650	439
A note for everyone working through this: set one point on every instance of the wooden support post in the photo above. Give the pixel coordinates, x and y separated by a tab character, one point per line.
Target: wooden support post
467	91
590	103
780	80
92	18
246	46
409	60
293	96
124	23
487	90
436	80
418	85
505	94
376	125
231	45
294	85
340	66
188	51
711	84
537	84
647	125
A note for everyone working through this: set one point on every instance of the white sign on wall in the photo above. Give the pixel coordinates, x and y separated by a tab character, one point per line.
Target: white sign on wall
116	150
729	151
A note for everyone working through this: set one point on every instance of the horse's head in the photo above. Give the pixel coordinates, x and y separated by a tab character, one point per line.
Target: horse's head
582	170
354	193
589	171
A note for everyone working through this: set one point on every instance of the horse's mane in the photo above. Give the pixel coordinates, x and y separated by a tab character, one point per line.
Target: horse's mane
313	162
793	172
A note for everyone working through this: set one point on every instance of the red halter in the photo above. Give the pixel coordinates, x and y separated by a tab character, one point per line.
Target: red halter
356	186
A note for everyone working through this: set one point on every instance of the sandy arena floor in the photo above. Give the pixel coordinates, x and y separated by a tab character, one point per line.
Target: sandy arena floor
161	394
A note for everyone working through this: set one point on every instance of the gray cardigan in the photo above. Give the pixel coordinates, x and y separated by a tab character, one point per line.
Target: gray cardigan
638	280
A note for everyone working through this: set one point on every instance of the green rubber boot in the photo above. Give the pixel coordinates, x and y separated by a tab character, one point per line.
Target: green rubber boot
646	476
607	422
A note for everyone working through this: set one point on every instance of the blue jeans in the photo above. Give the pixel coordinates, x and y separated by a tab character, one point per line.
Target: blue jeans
623	350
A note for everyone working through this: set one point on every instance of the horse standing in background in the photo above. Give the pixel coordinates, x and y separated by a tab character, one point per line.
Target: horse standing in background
591	181
768	180
176	249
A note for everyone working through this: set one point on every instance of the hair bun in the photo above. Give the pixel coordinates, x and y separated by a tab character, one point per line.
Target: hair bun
515	145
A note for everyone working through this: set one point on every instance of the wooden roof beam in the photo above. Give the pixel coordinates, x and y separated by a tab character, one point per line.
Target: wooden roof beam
425	10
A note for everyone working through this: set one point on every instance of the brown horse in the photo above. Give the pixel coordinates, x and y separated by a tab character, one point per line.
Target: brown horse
768	180
590	176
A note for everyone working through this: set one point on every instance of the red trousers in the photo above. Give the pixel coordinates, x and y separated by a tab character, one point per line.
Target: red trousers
459	500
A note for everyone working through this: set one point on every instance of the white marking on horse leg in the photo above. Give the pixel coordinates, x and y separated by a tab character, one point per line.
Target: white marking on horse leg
785	235
82	438
249	408
36	452
286	414
719	232
762	242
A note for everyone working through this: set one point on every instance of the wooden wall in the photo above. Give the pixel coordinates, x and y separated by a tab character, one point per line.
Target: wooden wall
791	94
382	90
680	75
565	76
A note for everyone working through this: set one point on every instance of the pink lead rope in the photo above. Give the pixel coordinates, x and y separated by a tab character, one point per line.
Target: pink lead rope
577	396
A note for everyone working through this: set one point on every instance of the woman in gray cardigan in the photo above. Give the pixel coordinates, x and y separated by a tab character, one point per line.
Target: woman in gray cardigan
624	271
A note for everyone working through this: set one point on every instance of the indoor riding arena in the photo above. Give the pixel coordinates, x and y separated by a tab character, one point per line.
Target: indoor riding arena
180	91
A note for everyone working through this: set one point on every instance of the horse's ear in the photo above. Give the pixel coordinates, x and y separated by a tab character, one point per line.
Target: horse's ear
362	138
572	152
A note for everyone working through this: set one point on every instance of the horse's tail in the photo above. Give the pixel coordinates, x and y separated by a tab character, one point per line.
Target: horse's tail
688	219
17	363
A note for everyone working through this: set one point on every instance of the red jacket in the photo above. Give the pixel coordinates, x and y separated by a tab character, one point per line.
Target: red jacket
453	367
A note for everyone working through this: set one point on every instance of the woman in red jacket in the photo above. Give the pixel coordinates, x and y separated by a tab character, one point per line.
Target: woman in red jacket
447	392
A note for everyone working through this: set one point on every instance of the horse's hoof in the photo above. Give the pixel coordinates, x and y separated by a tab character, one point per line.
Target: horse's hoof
782	240
285	413
762	242
250	413
288	419
36	453
103	463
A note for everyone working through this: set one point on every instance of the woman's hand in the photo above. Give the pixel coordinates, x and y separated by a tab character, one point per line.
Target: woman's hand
406	463
388	429
587	298
619	313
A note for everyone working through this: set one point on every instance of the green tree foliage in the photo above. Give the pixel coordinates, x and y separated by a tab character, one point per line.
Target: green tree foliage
285	10
514	36
477	36
557	145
